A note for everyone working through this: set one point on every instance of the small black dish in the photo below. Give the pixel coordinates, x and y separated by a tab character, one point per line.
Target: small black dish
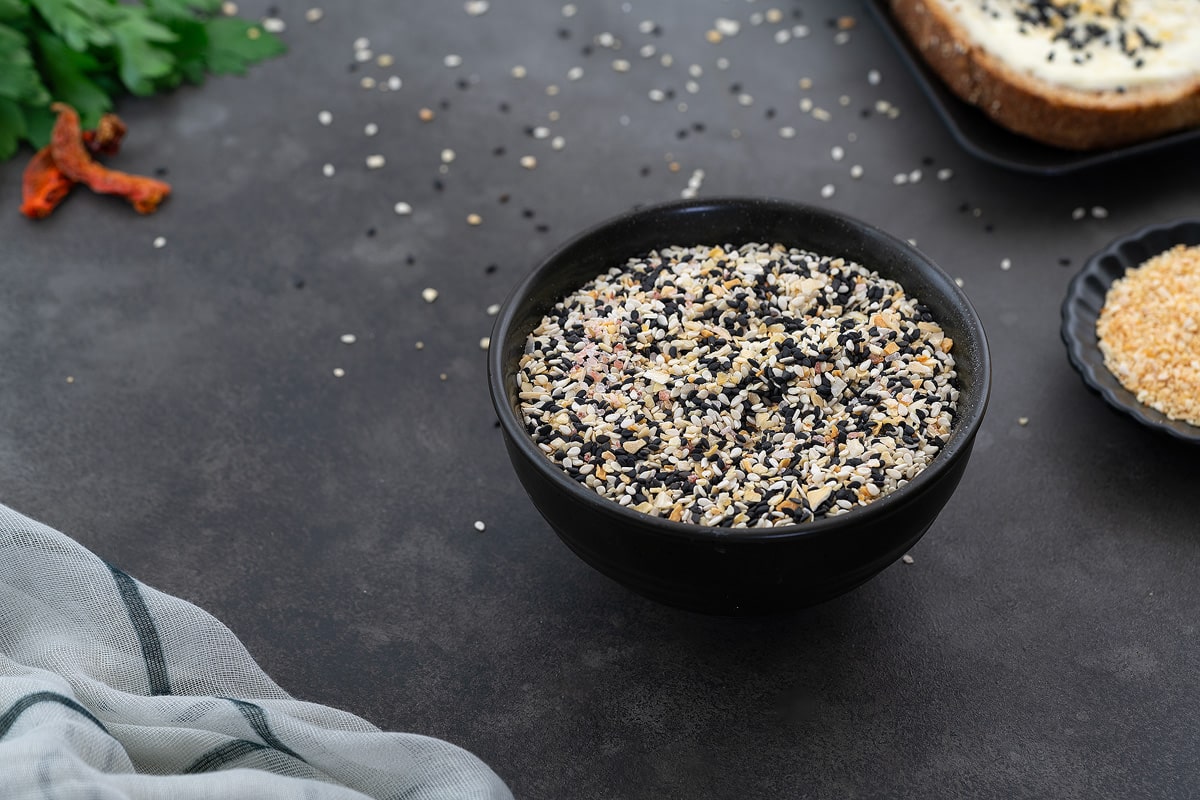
1081	308
984	139
741	571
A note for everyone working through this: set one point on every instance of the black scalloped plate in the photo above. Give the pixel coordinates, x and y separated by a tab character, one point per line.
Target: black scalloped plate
988	141
1081	308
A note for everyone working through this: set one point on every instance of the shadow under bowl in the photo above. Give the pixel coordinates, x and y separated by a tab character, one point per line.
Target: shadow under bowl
739	571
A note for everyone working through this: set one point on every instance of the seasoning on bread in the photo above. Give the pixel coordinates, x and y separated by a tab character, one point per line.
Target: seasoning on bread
1077	74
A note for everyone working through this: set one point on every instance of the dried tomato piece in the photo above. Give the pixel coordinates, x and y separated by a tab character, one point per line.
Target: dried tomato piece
72	157
44	185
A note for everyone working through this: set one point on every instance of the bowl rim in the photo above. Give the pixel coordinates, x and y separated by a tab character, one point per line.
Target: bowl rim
1081	308
966	425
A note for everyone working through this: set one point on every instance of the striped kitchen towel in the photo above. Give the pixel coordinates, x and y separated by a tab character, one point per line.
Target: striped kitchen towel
112	690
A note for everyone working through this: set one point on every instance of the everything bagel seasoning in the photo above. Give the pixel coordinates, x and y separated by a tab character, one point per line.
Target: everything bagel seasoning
748	386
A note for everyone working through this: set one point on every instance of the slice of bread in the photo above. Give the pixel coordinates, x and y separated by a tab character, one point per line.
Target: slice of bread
1077	74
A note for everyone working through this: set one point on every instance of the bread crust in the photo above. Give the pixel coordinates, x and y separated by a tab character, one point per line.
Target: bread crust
1061	116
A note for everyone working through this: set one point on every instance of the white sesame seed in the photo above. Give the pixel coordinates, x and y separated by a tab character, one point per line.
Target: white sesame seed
394	83
696	71
480	526
474	219
274	25
363	56
606	39
485	343
160	242
541	132
313	15
529	162
229	9
325	118
958	282
370	129
907	559
551	90
403	209
844	100
1079	213
338	372
429	295
806	83
945	174
367	82
362	43
448	155
722	63
874	77
1006	263
900	178
837	153
821	114
375	161
646	26
574	73
624	120
452	60
827	191
856	171
349	338
666	60
783	36
443	376
569	10
787	132
620	65
841	37
328	170
745	99
558	143
726	26
806	105
656	95
493	309
800	31
518	71
419	345
647	51
476	8
914	176
1022	421
692	87
1099	212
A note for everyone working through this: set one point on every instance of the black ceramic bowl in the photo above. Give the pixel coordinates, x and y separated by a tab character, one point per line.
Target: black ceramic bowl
1081	308
722	570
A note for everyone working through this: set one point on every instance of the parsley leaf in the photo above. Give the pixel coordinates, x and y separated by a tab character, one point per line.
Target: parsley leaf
88	52
12	127
234	44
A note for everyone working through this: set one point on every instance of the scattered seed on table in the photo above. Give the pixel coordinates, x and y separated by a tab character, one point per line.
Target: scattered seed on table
485	343
328	170
620	65
394	83
493	309
419	345
914	176
874	77
740	387
837	153
856	171
367	82
821	114
314	15
452	61
827	190
160	242
338	372
448	155
787	132
403	209
900	178
1099	212
1078	214
1022	421
443	376
349	338
70	379
480	526
370	129
907	559
375	161
518	71
476	8
429	294
474	219
425	114
325	118
1006	263
945	174
558	143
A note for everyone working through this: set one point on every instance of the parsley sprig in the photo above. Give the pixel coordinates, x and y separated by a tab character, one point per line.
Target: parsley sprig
88	52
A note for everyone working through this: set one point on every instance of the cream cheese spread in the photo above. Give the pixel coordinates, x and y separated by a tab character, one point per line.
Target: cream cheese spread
1092	45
